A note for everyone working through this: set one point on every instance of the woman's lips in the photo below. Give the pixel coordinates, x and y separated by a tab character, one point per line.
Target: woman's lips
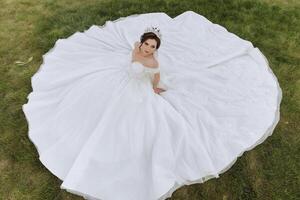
146	51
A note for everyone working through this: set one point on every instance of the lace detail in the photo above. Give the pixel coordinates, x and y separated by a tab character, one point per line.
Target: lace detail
152	70
147	69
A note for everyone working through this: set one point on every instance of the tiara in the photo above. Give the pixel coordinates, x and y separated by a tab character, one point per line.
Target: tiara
154	30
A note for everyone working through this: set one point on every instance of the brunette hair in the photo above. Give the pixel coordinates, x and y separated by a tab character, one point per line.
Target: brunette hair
150	35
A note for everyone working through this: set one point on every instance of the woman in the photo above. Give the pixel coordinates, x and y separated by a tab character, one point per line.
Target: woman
113	119
144	53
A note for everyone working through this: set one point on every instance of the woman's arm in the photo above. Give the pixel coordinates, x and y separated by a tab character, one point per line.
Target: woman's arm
155	82
136	46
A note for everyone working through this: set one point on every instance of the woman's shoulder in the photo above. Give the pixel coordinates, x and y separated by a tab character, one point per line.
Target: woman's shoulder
153	63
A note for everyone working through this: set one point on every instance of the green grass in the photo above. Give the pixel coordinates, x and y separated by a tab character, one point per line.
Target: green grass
30	29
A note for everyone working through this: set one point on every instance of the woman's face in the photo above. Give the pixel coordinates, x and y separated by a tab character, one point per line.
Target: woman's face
148	47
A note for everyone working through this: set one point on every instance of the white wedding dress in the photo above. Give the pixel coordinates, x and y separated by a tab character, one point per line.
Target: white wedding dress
99	127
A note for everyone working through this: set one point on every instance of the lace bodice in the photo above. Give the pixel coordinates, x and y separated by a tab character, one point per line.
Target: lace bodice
146	69
139	70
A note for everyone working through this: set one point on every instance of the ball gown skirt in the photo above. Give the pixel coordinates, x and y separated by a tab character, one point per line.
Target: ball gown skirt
100	128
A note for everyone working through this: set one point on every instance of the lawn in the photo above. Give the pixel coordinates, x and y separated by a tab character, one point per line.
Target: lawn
28	29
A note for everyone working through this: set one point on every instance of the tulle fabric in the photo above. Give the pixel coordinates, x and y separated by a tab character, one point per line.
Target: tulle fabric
108	136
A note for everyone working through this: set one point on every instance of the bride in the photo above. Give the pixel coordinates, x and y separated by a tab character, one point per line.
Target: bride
144	53
114	119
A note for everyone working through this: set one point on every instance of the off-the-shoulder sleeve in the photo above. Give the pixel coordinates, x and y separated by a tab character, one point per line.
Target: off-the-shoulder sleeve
156	70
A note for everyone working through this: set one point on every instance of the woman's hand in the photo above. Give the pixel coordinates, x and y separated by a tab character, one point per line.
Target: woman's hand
158	90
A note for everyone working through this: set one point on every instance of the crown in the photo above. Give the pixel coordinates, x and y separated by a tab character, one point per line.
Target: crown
154	30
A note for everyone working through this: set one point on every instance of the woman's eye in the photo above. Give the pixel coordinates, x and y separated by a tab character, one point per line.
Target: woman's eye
152	47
